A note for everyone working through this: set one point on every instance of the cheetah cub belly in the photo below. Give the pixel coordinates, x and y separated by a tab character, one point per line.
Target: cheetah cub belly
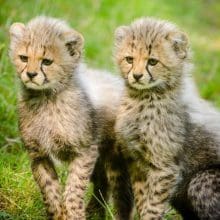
55	115
170	157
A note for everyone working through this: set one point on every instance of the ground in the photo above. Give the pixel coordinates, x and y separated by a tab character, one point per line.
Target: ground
96	20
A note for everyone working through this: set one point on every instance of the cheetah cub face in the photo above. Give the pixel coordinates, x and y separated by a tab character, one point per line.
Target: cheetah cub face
45	53
150	53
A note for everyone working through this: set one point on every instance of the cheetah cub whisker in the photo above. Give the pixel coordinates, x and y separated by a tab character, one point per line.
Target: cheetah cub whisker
172	157
56	118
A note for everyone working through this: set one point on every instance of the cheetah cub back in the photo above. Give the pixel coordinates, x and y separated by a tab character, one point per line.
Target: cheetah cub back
56	118
171	158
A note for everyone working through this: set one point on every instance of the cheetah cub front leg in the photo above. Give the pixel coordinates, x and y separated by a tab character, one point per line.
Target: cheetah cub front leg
46	177
80	171
152	194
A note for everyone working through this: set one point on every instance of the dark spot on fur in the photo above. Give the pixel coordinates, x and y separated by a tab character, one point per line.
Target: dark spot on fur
197	188
176	160
162	191
80	205
71	200
143	148
151	99
146	117
158	111
141	192
150	47
137	120
48	183
141	107
147	96
151	105
129	107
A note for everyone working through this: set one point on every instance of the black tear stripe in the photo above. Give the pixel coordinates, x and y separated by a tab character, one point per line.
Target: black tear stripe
45	76
23	69
151	77
130	69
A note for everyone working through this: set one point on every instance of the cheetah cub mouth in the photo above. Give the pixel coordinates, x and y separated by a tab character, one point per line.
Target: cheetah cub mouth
45	57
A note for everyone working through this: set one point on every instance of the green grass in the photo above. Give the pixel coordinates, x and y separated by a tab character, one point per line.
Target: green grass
96	20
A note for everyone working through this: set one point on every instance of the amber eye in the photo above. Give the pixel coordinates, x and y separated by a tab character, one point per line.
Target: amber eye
23	58
152	62
47	62
129	59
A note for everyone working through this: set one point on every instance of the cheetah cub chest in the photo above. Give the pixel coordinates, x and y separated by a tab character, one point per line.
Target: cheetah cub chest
147	128
54	127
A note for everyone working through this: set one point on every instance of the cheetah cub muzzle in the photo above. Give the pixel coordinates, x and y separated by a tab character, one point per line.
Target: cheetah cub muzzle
55	116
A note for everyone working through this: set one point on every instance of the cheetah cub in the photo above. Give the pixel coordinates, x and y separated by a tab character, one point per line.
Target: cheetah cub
55	116
171	158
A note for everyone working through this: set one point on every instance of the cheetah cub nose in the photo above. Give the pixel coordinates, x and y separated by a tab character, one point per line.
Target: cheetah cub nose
31	75
137	76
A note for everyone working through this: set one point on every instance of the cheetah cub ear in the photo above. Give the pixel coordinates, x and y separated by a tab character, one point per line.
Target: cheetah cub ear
74	42
16	32
120	34
179	42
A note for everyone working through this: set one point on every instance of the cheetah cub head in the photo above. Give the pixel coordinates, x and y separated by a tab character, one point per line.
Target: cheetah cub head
151	54
45	52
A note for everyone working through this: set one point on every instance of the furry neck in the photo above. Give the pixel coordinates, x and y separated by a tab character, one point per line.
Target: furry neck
50	93
155	93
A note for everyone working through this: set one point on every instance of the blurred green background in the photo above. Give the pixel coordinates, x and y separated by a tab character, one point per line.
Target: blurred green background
96	20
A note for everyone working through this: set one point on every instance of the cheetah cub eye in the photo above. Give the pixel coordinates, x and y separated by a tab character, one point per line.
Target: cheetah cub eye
152	62
47	62
129	59
23	58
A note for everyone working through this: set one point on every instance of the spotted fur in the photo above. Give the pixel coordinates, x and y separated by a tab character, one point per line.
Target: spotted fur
56	118
171	158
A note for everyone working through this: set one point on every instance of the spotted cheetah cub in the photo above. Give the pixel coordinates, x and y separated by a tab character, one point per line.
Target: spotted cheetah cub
55	116
171	158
